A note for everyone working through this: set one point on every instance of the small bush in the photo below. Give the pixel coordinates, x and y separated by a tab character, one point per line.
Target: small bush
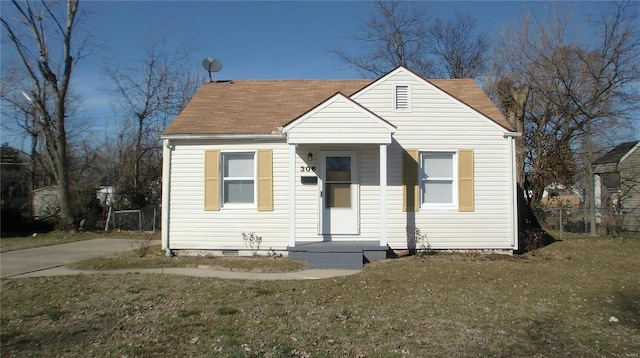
142	246
419	242
252	242
273	253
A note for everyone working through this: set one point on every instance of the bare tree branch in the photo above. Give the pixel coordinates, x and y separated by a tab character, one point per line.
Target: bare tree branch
459	49
393	36
152	91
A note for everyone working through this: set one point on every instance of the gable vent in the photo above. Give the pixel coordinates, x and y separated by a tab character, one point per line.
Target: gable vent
401	98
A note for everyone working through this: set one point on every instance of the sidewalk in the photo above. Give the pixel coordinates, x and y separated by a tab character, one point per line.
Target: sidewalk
199	272
50	261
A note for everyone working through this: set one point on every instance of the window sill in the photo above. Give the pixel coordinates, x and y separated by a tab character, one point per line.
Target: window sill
439	208
239	207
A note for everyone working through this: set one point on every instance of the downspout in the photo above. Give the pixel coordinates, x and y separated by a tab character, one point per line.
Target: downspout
166	188
512	189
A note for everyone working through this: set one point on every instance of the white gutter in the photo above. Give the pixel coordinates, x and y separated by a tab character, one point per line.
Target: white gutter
513	190
512	134
275	136
166	187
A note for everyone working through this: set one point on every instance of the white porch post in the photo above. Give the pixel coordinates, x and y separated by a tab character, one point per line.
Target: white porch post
383	195
292	195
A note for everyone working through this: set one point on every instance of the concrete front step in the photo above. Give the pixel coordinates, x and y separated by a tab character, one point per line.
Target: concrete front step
337	254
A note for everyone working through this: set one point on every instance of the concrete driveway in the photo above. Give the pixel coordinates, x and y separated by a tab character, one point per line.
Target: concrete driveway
18	262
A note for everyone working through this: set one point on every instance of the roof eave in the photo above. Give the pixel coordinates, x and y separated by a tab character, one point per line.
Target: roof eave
273	136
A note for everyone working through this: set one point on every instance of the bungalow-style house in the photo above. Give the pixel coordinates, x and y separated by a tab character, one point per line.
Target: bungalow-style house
339	171
617	184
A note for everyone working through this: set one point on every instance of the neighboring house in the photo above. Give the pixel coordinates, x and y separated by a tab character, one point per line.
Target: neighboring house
331	170
14	181
558	195
617	183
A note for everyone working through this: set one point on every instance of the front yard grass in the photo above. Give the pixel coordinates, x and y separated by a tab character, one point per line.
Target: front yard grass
577	297
12	243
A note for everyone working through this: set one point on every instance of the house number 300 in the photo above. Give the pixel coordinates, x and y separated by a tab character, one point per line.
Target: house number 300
308	169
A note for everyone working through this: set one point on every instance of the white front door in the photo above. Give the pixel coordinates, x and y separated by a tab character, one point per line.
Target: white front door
339	199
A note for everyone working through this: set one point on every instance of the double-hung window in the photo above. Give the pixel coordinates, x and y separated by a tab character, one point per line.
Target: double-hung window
238	179
437	179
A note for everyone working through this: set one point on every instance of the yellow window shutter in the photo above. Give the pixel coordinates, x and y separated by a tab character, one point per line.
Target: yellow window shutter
211	180
265	180
410	193
466	201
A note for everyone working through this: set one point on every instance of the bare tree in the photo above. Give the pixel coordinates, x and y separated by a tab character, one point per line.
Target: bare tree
152	92
573	90
393	36
399	33
34	30
459	49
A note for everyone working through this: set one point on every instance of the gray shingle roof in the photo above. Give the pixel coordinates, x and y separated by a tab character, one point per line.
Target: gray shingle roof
614	155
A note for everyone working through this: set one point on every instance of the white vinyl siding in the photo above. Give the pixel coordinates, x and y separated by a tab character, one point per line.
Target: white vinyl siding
339	121
191	227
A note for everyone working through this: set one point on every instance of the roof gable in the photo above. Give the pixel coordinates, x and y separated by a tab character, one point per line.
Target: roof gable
339	120
618	154
464	91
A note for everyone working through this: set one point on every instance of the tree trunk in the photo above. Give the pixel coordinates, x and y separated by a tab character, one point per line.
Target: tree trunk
62	163
64	192
589	180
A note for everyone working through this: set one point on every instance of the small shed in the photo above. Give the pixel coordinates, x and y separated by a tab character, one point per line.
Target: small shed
45	203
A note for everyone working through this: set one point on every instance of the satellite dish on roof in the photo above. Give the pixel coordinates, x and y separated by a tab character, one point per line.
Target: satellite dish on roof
211	65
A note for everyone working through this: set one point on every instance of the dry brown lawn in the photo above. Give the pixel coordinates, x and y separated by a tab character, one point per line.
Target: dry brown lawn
63	237
576	298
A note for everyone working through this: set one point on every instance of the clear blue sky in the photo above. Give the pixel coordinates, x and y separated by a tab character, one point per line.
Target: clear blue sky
266	39
253	40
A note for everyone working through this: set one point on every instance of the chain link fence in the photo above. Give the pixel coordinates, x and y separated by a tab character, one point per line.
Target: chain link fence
577	220
145	219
